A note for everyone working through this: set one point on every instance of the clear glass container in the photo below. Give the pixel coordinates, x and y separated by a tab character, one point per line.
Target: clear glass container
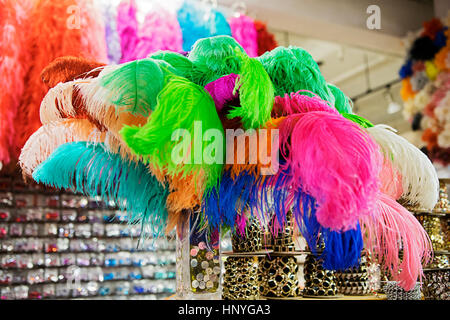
198	261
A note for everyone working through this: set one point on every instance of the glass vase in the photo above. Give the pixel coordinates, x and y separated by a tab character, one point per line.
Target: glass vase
199	268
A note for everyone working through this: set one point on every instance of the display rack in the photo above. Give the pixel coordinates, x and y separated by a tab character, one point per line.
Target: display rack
436	223
60	245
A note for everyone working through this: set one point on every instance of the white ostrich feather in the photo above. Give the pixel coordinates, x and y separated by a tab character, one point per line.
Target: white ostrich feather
53	134
419	177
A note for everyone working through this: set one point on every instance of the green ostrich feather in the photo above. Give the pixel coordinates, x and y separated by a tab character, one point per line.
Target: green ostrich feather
187	106
341	102
182	65
358	119
256	94
133	86
293	69
215	57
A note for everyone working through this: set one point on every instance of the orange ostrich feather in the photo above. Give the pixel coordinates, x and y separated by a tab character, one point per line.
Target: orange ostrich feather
252	163
69	68
14	51
54	32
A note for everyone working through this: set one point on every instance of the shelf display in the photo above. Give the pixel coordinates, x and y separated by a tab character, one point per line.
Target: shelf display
106	135
319	282
240	280
395	292
354	281
250	241
278	270
278	277
57	245
436	284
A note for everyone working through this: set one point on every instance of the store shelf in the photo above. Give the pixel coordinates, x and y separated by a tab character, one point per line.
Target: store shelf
99	236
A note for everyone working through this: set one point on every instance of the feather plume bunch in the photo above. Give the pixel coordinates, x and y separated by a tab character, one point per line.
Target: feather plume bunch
52	35
50	136
419	178
112	38
130	87
392	229
292	69
13	68
198	22
160	31
181	104
215	57
243	30
350	161
117	131
127	28
341	250
266	40
341	102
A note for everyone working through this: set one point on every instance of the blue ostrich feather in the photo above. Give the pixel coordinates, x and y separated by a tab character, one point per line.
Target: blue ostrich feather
92	170
196	23
342	250
222	205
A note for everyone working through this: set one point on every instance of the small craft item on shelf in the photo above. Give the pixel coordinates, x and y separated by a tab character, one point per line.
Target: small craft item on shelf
436	227
436	284
319	282
278	271
374	273
443	204
395	292
240	281
439	261
278	277
250	241
354	281
284	241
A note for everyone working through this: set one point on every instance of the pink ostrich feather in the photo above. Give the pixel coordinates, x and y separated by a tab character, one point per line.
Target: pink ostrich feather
127	27
160	31
93	43
13	17
391	180
334	161
243	30
297	102
390	230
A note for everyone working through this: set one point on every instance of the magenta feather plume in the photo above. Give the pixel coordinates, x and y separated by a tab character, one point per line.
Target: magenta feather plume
160	31
243	30
297	102
127	27
334	161
222	90
390	230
